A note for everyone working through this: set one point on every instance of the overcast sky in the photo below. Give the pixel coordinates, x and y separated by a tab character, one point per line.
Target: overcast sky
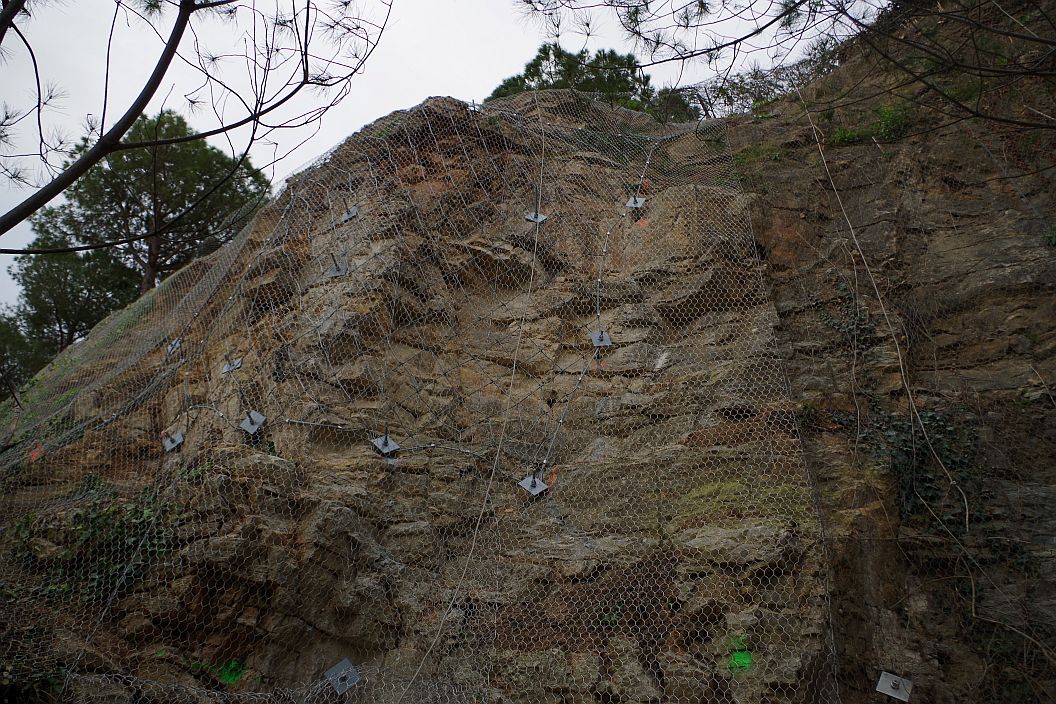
460	48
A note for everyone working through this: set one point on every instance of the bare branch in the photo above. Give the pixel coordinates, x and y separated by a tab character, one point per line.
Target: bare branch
311	46
108	140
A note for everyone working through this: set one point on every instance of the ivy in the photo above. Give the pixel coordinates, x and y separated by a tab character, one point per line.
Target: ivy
912	462
97	550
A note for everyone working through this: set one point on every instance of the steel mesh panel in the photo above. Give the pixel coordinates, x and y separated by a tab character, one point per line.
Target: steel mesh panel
674	555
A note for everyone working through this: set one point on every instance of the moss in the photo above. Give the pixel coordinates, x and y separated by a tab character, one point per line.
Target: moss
728	501
757	152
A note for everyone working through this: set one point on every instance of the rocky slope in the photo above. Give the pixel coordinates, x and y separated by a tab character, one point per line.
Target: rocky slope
942	543
398	292
819	447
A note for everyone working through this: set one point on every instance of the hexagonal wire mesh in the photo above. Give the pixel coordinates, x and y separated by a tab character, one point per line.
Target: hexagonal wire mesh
449	475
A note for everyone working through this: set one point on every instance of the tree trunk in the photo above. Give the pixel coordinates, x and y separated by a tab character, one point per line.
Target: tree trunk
150	265
8	14
11	389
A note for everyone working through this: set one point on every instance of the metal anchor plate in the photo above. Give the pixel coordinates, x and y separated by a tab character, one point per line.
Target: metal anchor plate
252	422
601	338
352	212
385	445
342	676
894	686
171	441
533	485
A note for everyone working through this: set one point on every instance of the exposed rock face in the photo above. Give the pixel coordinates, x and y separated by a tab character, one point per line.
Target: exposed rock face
675	555
956	227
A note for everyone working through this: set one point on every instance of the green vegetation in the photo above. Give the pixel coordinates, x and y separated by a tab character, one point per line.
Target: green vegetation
756	89
964	88
727	502
63	296
611	615
757	152
843	136
608	73
124	197
849	316
922	483
808	415
759	106
19	682
194	473
22	677
891	123
1050	236
932	507
86	554
97	550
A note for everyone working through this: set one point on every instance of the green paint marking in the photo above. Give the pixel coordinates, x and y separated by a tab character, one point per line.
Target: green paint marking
229	673
740	660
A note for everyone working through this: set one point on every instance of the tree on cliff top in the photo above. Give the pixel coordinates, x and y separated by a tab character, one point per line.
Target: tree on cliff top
611	75
968	59
607	72
162	203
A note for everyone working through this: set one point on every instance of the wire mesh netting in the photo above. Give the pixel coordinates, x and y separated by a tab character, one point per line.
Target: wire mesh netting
487	403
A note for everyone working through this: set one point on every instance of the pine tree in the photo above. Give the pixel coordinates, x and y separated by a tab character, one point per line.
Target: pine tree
174	196
160	195
608	73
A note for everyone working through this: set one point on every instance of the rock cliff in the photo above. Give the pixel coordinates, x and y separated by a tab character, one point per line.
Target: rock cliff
488	403
548	402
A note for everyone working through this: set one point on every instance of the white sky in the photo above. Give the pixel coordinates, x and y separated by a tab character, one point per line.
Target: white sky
460	48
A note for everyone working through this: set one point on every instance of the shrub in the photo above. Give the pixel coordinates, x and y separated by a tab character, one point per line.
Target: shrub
845	135
892	122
